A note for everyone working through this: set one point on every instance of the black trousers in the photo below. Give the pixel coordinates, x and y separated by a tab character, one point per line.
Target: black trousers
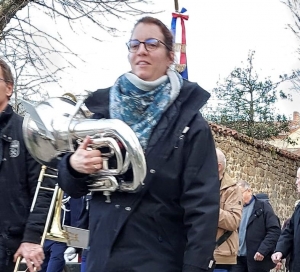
6	256
242	266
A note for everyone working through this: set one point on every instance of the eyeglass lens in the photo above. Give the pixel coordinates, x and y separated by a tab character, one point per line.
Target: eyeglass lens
150	44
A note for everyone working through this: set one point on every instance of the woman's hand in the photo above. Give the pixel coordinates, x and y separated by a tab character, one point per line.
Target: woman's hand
86	160
276	257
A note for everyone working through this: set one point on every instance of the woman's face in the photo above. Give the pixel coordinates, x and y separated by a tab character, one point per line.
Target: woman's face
151	65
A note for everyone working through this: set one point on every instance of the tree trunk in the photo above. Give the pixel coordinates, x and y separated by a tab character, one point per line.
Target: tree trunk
8	9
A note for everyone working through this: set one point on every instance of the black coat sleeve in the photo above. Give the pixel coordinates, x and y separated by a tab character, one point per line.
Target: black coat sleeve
73	183
273	230
40	207
286	240
200	197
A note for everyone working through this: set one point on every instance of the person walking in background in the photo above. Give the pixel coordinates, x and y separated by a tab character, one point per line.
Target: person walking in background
169	225
54	250
286	261
20	229
289	241
54	256
258	234
57	254
229	218
79	218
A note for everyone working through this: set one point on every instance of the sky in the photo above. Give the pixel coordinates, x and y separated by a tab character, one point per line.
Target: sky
219	36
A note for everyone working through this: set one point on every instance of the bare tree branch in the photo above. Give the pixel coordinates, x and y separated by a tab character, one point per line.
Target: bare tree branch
30	49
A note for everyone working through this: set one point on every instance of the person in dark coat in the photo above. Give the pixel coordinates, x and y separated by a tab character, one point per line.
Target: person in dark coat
55	251
288	243
79	218
287	258
54	256
171	224
258	234
20	229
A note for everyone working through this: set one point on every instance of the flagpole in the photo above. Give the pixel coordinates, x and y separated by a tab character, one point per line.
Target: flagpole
180	47
176	5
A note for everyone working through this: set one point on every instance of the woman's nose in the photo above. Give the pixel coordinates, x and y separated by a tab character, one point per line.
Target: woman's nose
142	49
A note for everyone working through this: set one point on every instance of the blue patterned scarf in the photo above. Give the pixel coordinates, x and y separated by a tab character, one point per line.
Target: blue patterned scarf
140	104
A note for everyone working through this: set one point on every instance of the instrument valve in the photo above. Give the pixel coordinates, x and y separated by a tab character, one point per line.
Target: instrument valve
107	194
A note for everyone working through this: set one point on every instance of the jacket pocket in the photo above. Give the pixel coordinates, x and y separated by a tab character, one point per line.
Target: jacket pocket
162	235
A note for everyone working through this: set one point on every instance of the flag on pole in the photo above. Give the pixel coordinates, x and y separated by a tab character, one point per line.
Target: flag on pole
180	46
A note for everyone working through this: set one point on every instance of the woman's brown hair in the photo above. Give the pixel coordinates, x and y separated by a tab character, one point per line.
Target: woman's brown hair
6	72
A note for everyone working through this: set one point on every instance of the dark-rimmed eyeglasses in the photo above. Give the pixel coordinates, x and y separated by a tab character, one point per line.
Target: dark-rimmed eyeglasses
150	45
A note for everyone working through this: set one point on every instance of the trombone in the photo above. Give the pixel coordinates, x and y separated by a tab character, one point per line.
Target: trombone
52	230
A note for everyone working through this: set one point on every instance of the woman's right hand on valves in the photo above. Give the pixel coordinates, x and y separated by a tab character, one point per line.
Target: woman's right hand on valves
86	160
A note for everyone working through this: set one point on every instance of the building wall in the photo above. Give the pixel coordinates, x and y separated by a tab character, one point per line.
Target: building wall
293	134
282	143
267	168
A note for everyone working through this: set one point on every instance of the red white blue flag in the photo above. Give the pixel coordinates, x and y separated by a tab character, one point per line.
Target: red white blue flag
180	44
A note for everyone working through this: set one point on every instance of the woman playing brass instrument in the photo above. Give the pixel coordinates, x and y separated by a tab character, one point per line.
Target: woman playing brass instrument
170	224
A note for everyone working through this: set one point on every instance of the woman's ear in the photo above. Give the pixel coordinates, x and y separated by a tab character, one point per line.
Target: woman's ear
9	89
172	57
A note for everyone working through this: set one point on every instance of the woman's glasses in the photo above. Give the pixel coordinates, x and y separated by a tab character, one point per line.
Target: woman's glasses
150	45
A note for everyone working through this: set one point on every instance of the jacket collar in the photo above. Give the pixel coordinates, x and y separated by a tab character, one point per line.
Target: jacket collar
257	210
5	116
226	182
191	93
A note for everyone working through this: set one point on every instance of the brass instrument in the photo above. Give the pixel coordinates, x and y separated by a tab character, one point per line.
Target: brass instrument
56	126
52	230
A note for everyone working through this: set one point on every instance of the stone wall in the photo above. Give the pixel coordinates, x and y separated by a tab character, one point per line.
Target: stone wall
268	169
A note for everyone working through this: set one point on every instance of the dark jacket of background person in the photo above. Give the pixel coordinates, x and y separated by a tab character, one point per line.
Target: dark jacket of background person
288	257
263	230
19	173
262	196
75	211
171	224
54	251
229	220
289	241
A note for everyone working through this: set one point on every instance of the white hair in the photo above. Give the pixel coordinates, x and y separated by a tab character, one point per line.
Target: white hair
221	158
243	184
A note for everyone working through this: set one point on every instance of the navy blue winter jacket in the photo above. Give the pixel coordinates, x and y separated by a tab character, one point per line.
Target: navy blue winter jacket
170	225
289	240
19	173
263	230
